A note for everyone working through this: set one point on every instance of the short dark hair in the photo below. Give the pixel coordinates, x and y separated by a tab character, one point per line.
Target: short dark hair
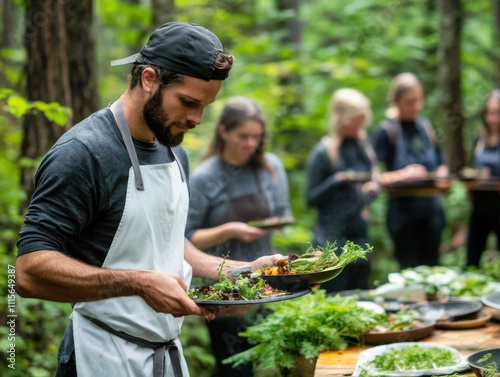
165	77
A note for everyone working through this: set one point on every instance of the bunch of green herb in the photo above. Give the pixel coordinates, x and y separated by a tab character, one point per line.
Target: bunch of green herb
407	358
304	326
325	257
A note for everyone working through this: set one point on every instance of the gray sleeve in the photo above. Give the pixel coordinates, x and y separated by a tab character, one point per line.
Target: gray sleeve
320	180
281	192
69	193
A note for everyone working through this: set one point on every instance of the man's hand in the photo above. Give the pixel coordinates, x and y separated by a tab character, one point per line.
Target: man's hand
166	293
268	260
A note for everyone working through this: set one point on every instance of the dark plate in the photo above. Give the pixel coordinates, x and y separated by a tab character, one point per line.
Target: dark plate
240	307
435	310
478	368
476	320
399	336
489	184
273	222
361	177
492	305
301	281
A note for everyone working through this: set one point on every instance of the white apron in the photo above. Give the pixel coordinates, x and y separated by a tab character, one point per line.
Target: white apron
150	236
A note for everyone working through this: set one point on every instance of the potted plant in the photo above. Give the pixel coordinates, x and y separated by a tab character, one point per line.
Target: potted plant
291	338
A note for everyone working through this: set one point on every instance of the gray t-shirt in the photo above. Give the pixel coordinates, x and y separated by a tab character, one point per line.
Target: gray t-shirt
209	196
80	189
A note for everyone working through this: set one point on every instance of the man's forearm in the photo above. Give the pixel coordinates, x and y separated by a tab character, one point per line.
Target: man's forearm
206	266
51	275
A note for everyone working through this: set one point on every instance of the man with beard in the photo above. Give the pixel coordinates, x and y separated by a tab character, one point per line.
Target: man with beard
105	227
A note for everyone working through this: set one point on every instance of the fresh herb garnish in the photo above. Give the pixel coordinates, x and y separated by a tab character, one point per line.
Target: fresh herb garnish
243	288
317	260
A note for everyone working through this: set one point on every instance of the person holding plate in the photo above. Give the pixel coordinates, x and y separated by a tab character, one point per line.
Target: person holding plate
485	213
341	169
104	230
236	182
406	144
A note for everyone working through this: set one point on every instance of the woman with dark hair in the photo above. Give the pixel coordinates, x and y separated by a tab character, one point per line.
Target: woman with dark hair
406	144
485	212
236	182
342	201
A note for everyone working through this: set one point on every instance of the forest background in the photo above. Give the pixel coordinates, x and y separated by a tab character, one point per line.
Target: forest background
290	56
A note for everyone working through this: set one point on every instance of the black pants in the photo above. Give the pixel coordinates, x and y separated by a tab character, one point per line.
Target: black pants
484	220
67	368
415	226
340	229
226	342
480	227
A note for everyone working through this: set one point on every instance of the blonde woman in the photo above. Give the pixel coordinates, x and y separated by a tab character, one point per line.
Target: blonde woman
406	144
485	208
340	182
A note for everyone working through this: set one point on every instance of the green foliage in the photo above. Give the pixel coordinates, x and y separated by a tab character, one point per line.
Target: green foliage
16	105
360	44
304	326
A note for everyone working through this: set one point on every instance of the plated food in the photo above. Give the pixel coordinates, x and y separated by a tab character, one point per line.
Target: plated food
272	222
234	298
399	327
447	282
313	267
485	363
236	308
410	359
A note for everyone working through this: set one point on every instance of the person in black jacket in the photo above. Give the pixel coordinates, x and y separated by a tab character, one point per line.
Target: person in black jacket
485	212
406	144
340	183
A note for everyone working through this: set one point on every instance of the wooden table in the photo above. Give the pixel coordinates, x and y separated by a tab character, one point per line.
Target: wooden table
342	363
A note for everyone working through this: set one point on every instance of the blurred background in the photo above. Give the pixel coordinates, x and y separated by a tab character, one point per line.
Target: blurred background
290	57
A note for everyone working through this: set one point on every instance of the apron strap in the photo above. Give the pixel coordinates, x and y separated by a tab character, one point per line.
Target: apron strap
159	349
129	144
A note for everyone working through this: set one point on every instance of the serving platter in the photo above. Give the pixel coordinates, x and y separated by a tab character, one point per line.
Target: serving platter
355	176
440	311
299	281
420	187
482	368
236	308
369	355
492	305
272	222
479	320
410	335
490	184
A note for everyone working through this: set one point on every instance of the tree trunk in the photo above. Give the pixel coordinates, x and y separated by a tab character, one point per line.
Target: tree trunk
449	81
289	81
163	11
9	28
60	68
496	41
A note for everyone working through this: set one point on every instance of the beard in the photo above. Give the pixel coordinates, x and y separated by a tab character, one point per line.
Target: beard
156	118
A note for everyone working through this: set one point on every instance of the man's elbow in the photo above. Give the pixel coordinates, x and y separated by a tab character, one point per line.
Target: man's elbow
23	279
